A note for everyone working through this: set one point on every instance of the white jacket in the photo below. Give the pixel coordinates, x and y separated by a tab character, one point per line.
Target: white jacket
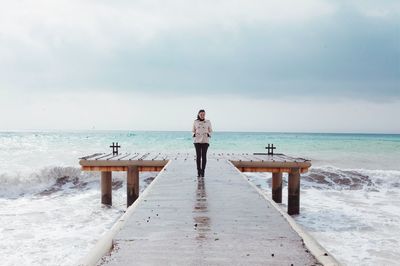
201	131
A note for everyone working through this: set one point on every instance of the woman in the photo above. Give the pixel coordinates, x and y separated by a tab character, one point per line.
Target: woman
201	133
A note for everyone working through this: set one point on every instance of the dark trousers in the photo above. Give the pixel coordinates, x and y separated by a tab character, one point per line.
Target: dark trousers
201	156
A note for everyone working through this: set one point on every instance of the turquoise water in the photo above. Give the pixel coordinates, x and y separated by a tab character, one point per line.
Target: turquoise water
367	151
350	198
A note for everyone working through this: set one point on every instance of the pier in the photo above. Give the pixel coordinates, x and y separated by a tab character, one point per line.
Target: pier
221	219
133	163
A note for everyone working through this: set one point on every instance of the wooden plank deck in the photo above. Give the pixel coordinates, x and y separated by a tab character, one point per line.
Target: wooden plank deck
245	162
217	220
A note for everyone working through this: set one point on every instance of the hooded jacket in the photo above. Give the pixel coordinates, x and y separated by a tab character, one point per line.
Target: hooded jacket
201	131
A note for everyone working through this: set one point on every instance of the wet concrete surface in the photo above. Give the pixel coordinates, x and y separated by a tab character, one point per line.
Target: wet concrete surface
216	220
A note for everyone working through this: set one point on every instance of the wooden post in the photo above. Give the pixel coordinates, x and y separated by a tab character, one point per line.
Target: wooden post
277	187
294	191
106	188
132	185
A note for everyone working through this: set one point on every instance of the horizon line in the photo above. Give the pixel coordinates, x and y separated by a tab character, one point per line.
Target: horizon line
219	131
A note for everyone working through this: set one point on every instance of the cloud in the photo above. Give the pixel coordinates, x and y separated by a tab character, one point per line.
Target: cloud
144	20
142	111
249	48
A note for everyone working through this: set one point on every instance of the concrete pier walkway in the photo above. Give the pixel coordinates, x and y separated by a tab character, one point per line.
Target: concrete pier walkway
220	219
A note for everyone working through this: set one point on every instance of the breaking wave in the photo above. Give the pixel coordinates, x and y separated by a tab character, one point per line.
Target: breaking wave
51	180
351	179
329	177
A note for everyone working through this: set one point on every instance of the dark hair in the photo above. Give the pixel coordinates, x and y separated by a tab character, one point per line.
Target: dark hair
201	110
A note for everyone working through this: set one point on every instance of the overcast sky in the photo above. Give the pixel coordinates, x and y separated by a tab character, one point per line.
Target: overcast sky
302	66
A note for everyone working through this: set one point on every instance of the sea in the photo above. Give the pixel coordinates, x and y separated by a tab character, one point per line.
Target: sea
50	211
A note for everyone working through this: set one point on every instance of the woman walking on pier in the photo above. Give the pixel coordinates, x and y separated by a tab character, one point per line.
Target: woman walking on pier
201	133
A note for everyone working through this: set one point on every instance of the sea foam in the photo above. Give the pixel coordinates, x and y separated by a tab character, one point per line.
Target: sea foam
353	213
